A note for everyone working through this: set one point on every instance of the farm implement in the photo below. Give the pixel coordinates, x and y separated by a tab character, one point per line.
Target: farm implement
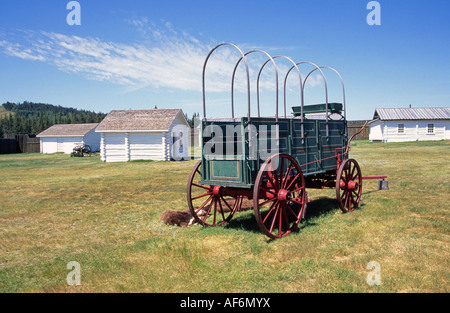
309	149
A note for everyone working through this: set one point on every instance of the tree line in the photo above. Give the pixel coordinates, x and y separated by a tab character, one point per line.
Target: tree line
191	121
32	118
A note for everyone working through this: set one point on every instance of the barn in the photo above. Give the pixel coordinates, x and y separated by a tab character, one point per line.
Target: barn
410	124
64	137
159	134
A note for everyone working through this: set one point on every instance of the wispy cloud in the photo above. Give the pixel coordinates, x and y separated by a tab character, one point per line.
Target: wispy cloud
16	50
169	58
175	64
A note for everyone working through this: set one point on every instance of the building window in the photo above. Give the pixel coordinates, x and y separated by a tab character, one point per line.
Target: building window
401	128
431	128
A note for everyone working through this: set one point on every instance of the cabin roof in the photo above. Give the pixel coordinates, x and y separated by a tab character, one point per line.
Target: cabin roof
387	114
68	130
139	120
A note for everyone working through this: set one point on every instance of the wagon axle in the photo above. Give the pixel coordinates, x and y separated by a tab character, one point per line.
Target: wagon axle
351	185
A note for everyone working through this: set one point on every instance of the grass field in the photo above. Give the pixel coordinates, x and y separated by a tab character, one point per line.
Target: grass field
55	209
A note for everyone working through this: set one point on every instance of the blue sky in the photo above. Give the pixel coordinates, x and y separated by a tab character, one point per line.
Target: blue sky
138	54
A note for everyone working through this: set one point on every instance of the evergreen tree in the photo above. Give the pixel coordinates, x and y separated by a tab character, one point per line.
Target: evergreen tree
33	118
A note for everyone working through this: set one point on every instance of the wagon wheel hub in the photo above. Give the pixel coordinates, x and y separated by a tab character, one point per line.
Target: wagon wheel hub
216	190
284	195
350	185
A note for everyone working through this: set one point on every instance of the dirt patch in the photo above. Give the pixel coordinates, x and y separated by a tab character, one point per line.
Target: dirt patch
185	218
178	218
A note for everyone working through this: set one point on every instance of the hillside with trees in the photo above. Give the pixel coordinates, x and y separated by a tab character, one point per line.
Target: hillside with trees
32	118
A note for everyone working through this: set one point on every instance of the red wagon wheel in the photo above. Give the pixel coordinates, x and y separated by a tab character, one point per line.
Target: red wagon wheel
349	185
209	205
279	196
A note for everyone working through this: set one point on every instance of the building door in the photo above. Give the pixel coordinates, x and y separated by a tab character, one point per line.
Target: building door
59	145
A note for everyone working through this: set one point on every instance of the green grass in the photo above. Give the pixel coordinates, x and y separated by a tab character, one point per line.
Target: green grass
55	209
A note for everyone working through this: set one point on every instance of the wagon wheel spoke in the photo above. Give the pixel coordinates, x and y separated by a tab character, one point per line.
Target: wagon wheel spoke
221	197
353	205
201	196
209	210
294	179
215	210
268	190
221	209
296	201
287	208
274	173
270	211
346	203
298	189
206	204
285	179
278	208
281	172
267	201
353	172
280	220
274	218
272	179
200	186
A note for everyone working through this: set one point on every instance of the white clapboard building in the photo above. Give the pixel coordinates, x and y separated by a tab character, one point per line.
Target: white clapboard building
159	134
64	137
410	124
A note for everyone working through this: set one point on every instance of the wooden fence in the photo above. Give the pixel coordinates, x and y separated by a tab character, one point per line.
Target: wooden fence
13	143
354	127
8	146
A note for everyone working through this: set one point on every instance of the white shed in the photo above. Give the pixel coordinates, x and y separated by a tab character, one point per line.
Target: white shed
159	134
410	124
64	137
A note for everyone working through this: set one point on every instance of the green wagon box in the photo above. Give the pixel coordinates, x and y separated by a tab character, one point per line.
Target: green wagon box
268	162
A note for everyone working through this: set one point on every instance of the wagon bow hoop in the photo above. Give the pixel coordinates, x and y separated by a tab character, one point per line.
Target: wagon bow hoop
303	89
342	82
299	75
257	84
204	72
343	89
